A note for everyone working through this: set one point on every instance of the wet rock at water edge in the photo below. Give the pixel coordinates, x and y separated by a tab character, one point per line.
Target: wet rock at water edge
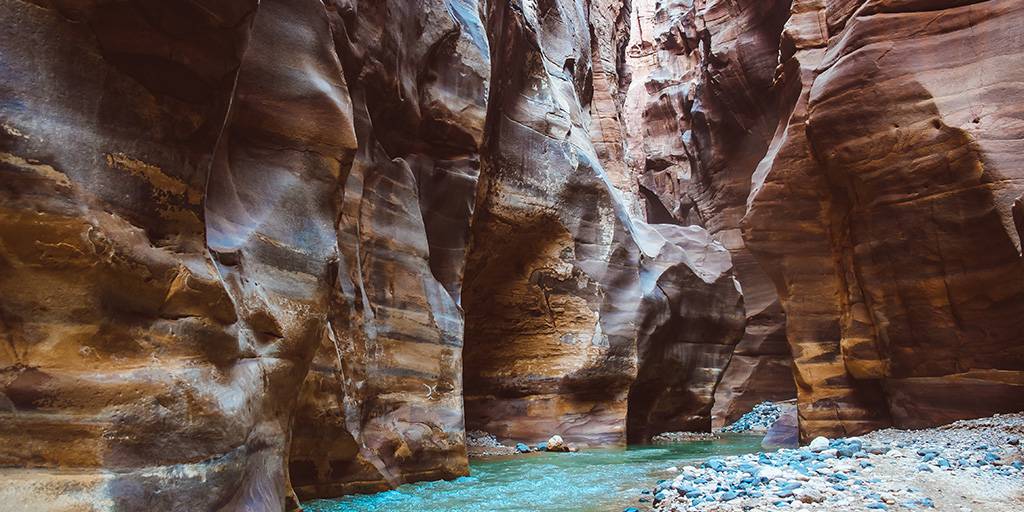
678	437
556	444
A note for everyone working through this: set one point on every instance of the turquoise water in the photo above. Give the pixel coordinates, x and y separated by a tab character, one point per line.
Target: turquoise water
591	480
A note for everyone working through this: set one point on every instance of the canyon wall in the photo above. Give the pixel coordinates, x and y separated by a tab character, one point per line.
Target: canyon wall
868	153
561	290
883	210
699	112
233	240
257	252
382	403
158	302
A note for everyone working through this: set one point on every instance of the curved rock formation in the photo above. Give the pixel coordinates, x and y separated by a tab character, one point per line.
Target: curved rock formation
252	252
233	240
693	317
887	224
888	227
700	111
558	281
133	378
382	403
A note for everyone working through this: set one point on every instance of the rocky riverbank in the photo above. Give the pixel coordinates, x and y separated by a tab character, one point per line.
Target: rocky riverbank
967	466
481	444
682	437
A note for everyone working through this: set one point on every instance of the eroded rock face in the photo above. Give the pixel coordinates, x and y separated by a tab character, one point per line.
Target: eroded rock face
887	224
238	240
700	111
382	403
888	227
693	317
160	301
233	240
561	280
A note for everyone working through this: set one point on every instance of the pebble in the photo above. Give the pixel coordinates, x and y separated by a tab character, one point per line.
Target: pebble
760	418
837	474
818	444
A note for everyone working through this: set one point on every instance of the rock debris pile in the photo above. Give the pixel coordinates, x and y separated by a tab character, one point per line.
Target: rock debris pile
969	465
759	419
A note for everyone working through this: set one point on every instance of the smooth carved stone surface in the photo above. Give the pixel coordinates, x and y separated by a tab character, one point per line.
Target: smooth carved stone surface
693	317
382	403
888	225
159	298
233	240
700	111
560	278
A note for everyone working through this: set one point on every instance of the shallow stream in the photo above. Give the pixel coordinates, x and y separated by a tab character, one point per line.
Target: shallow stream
588	481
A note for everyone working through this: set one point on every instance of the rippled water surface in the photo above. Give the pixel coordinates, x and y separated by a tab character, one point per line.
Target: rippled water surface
592	480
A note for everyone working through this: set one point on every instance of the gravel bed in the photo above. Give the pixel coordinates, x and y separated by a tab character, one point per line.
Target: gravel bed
968	466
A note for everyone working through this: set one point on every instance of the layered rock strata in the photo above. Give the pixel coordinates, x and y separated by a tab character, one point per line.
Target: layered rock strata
560	277
699	113
888	228
233	240
238	240
160	295
382	404
887	224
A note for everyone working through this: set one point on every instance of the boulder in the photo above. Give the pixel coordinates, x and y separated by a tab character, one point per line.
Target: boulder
818	444
556	444
785	432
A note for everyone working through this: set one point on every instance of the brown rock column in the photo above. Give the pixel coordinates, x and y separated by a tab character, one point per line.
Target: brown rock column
382	404
700	111
143	371
898	263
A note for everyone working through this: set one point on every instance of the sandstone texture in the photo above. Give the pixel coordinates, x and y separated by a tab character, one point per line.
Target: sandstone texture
382	402
887	224
699	113
566	326
234	235
859	159
255	252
